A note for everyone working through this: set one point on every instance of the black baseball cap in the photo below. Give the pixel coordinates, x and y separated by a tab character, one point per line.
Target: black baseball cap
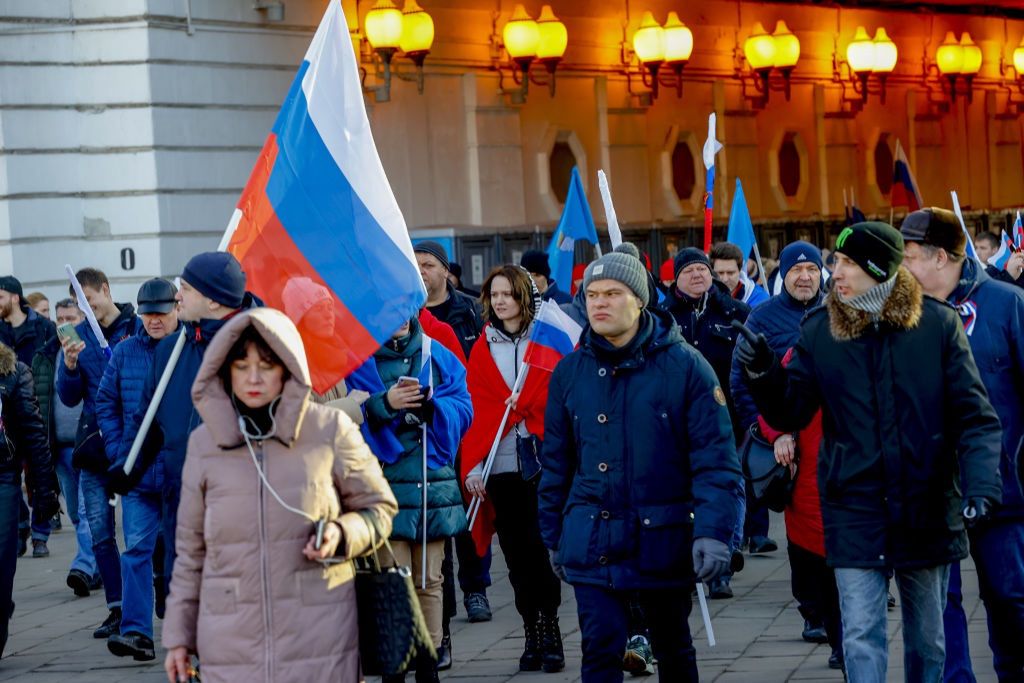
156	296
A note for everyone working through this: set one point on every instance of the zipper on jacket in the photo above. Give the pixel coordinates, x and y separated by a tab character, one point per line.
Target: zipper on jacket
268	622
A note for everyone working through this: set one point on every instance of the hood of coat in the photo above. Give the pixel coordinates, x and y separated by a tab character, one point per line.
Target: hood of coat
902	310
212	400
8	360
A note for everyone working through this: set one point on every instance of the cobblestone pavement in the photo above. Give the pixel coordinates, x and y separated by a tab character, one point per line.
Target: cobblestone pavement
758	631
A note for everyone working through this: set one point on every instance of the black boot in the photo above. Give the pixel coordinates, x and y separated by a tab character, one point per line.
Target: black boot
426	670
135	645
110	626
532	658
551	643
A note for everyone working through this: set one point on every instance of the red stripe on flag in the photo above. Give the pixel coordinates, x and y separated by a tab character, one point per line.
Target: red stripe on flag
336	343
542	357
707	227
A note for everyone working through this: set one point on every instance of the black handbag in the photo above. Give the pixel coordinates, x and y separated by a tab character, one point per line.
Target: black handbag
392	630
528	452
90	452
768	482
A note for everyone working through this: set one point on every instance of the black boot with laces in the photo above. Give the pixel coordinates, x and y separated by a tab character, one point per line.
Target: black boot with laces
551	643
532	658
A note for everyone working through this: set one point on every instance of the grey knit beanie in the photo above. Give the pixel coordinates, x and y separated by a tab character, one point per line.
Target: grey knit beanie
622	268
628	248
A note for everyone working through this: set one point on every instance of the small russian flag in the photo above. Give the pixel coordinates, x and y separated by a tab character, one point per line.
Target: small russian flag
1002	257
1018	233
554	337
904	186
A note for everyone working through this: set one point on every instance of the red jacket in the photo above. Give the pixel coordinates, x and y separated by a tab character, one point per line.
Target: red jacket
803	514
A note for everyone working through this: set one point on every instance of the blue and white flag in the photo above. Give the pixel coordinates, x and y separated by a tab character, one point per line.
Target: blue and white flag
576	224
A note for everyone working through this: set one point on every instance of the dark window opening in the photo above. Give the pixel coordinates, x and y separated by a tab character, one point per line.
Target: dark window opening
684	174
883	164
561	163
789	165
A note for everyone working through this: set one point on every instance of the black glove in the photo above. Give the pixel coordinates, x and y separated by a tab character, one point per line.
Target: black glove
976	510
752	350
423	414
555	567
45	503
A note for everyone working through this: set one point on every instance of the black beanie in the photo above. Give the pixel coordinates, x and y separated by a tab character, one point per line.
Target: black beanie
874	246
434	249
535	261
688	256
216	275
12	285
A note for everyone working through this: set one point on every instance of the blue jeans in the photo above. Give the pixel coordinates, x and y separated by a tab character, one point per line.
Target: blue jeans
71	487
100	514
10	496
998	550
958	654
142	513
862	598
737	533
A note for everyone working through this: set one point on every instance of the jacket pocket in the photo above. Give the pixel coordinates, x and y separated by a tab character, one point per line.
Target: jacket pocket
577	546
218	595
666	539
322	586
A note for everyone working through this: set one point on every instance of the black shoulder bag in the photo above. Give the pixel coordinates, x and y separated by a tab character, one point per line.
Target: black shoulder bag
768	482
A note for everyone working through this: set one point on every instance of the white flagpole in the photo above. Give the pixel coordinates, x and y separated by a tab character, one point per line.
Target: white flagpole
706	614
960	217
474	506
90	315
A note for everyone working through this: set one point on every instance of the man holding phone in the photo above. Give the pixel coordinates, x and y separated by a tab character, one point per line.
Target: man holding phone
79	372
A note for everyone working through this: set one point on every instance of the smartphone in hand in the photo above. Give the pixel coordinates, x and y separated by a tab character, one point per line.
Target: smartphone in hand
68	331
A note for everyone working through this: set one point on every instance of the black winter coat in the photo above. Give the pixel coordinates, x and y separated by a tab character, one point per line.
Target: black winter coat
22	432
464	317
35	335
638	460
904	411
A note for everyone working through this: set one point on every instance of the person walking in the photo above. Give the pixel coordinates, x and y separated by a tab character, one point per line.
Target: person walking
637	492
779	320
79	372
415	418
509	498
22	443
992	314
906	423
252	594
117	400
62	426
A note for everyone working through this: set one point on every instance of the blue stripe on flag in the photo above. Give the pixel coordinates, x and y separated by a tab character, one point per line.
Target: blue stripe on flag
331	226
551	336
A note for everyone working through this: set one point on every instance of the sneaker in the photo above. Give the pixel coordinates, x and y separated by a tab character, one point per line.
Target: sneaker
762	544
111	626
444	653
79	582
638	660
736	562
719	589
39	549
477	607
22	544
134	645
814	633
55	524
836	661
890	601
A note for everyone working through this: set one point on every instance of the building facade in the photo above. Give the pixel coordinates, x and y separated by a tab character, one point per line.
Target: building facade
129	127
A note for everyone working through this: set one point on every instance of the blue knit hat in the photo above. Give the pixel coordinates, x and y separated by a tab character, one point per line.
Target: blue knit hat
798	252
216	275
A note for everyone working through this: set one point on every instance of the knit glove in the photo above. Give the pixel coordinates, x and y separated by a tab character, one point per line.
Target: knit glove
752	350
711	558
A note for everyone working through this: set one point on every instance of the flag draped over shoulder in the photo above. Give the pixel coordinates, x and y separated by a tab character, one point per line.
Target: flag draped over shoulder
317	229
576	224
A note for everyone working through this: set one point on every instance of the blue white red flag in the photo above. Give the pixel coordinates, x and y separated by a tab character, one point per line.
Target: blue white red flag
576	224
317	229
1018	233
554	337
904	186
1003	254
711	147
968	311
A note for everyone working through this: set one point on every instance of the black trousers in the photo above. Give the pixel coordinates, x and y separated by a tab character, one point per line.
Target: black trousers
814	587
535	585
604	622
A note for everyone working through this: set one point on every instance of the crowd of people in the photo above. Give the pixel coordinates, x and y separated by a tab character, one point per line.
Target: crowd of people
886	377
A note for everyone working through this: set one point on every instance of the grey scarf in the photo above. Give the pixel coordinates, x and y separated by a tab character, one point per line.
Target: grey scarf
873	300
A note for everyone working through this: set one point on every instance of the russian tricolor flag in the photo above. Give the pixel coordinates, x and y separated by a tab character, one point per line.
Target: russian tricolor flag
904	186
1018	233
1002	256
554	337
317	229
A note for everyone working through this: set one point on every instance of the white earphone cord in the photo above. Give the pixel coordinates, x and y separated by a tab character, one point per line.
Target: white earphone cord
263	477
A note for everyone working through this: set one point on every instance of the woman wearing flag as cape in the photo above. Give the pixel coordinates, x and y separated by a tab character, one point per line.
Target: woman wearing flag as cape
418	394
506	490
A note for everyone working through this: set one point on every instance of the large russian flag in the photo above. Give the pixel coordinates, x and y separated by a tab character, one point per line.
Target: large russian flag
317	229
904	186
554	337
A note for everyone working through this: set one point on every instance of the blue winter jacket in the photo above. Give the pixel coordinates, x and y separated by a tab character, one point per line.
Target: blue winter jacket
638	460
120	392
83	383
993	317
778	319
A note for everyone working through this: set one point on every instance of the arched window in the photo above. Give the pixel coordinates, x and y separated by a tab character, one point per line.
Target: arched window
684	174
560	164
789	165
883	164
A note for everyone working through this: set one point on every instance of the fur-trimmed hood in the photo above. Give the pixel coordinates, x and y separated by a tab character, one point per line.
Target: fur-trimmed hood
8	360
902	310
